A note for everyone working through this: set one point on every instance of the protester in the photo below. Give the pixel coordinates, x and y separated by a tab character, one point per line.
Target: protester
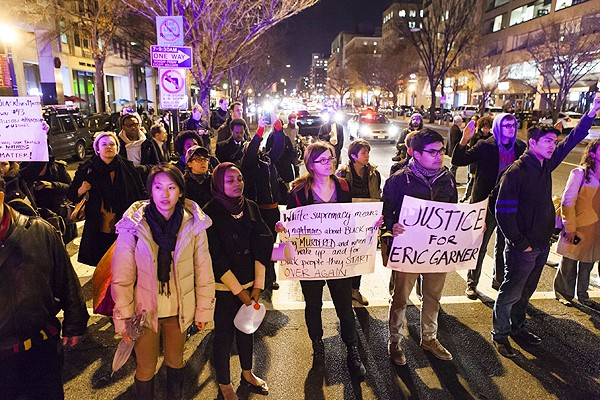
17	193
133	144
484	131
112	184
165	121
232	149
492	155
161	264
194	123
219	115
320	185
261	182
365	183
579	241
155	151
332	132
292	131
453	138
184	141
37	280
240	246
526	216
287	159
414	124
224	131
197	175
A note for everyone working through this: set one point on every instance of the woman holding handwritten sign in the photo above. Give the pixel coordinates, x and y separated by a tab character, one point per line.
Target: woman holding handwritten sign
320	185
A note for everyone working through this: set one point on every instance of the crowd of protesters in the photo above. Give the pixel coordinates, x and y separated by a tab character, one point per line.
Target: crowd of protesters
193	228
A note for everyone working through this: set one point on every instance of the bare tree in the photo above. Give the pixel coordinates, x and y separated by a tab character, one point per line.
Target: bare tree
339	81
95	21
220	30
563	54
364	68
390	75
485	75
439	36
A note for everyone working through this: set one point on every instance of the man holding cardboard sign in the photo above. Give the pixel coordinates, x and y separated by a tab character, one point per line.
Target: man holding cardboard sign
425	177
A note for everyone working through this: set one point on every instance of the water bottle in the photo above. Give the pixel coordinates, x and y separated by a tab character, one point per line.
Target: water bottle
249	318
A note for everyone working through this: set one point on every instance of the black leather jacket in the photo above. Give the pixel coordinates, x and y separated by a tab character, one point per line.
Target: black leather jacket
36	281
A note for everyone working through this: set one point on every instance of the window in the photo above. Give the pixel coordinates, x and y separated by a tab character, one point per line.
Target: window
491	4
76	39
64	38
560	4
590	23
530	11
402	13
497	23
524	70
412	13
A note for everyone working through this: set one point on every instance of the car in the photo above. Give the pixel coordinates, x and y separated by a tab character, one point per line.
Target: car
97	123
467	111
569	120
68	136
491	111
309	124
373	127
593	133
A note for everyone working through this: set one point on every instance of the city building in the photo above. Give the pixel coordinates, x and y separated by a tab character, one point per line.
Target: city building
318	73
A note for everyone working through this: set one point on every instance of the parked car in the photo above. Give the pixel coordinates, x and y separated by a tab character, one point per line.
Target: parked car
68	135
594	132
373	127
492	111
467	111
97	123
569	120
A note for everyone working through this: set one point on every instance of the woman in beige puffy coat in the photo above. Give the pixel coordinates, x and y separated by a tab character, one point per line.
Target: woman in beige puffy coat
161	265
579	242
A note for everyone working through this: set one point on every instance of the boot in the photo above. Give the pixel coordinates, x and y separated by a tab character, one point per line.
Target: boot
174	383
144	390
355	365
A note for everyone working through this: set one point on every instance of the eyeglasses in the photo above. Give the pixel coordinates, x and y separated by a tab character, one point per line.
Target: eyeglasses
434	153
513	125
131	125
200	159
325	161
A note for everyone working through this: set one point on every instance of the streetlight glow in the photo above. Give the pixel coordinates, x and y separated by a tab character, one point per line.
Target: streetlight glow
8	34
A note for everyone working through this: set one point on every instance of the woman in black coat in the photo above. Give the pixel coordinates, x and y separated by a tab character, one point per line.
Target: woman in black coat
197	175
113	184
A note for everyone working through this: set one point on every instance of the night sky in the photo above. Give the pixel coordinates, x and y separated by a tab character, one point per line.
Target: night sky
313	30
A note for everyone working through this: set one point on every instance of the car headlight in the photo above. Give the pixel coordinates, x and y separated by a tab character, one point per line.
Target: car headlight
365	130
394	130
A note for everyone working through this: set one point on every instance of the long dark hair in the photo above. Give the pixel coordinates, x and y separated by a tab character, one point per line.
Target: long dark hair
587	161
174	174
312	152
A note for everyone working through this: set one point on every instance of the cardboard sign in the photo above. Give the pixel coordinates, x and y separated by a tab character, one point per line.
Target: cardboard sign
22	137
332	240
438	237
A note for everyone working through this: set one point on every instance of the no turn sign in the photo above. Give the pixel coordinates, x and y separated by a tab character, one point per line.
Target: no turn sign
172	88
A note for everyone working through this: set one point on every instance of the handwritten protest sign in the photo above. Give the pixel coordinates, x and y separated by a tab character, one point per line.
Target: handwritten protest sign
332	241
21	135
438	237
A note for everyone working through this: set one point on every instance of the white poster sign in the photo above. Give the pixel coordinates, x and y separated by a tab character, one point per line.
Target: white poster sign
169	31
332	240
438	237
22	137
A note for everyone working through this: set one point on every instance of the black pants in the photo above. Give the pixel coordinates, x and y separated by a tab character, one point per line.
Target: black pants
226	307
33	374
341	294
473	275
356	282
271	217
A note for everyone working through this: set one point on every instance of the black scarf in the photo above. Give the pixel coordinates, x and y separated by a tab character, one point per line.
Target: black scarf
428	175
164	233
116	194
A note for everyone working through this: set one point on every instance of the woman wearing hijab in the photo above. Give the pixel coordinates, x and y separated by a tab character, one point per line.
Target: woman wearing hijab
240	246
161	265
112	184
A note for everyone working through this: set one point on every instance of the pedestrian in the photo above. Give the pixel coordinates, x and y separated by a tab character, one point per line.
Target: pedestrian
579	241
240	247
219	115
133	144
112	184
365	183
492	155
320	185
332	132
155	151
261	182
161	264
414	124
165	121
197	175
453	139
37	280
287	159
232	149
184	141
292	130
235	112
483	132
194	123
425	177
526	216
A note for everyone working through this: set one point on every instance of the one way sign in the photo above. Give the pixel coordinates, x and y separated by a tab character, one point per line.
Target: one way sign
171	57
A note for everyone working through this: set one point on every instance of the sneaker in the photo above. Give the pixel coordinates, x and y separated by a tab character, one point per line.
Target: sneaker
471	293
504	348
318	351
356	295
435	347
526	337
396	353
355	365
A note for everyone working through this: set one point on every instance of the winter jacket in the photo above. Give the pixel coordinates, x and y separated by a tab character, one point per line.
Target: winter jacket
580	209
285	159
374	179
37	280
200	193
524	208
405	183
230	151
298	197
324	134
134	281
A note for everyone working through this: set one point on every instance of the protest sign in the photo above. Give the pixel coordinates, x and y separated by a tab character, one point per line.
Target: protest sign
438	237
22	137
332	240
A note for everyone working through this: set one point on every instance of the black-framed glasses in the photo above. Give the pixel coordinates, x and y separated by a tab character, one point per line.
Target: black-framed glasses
200	159
325	161
513	125
131	125
434	153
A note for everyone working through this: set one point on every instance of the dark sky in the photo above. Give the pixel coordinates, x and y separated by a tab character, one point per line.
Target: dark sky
313	30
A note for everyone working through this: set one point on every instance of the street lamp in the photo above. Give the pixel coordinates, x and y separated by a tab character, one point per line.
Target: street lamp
8	36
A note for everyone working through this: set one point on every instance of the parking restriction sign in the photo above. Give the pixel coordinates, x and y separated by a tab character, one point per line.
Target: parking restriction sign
172	88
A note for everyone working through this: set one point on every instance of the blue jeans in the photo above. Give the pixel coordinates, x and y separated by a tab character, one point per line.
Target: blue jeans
522	273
